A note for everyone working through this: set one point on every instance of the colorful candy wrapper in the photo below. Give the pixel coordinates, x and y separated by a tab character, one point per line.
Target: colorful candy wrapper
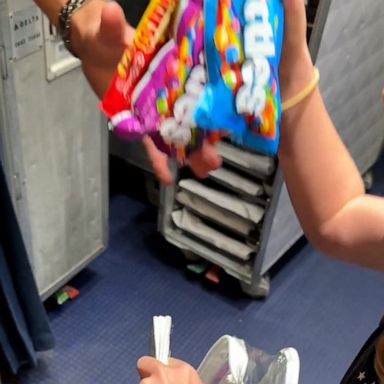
243	42
150	36
160	87
162	102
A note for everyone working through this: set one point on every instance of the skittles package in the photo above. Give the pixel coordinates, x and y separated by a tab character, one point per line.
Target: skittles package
242	43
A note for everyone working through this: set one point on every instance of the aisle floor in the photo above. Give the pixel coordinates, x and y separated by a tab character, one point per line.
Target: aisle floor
323	308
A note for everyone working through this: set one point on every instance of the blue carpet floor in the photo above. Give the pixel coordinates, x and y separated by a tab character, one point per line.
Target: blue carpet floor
323	308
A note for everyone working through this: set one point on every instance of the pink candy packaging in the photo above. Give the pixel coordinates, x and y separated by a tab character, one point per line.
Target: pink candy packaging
163	100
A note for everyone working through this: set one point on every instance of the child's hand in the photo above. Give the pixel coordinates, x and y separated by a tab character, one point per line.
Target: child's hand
202	161
176	372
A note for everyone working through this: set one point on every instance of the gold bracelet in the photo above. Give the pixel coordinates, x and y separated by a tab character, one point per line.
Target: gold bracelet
293	101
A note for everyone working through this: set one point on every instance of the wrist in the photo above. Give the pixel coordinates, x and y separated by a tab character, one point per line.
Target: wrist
298	76
295	75
83	24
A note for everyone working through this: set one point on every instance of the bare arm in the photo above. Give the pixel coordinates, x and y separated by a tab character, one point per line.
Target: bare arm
323	182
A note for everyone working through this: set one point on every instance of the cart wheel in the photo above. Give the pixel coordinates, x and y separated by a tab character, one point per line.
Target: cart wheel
259	290
368	180
190	256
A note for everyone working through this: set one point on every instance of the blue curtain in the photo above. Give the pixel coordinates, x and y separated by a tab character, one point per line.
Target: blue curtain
24	327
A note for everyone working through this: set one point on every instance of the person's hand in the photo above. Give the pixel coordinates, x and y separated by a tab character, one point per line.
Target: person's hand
201	161
296	68
152	371
100	34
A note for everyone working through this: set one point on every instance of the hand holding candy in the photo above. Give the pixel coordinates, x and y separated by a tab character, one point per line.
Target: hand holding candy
161	88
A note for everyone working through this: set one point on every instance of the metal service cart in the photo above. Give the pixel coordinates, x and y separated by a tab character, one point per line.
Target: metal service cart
53	147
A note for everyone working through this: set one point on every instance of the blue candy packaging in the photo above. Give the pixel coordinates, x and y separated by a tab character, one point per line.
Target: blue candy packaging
242	43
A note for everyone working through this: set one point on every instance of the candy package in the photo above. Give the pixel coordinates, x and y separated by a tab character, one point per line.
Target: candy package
231	360
164	100
150	36
243	41
196	71
161	100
